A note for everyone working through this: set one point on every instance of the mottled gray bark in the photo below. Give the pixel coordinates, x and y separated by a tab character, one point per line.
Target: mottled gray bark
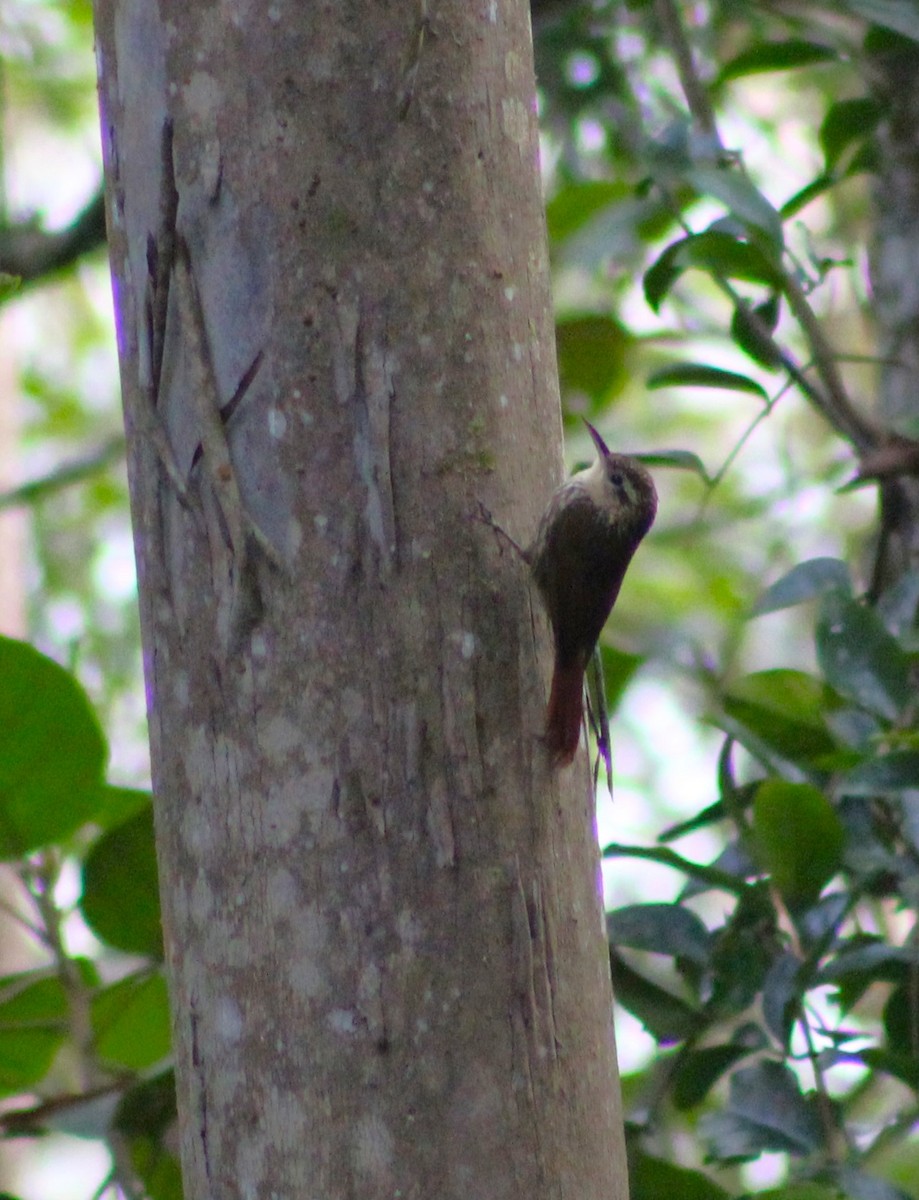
895	290
380	904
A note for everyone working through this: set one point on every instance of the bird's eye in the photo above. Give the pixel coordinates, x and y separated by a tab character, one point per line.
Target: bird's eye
616	479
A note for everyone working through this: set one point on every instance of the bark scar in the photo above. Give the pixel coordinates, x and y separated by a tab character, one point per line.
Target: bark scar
364	377
413	59
534	969
197	1059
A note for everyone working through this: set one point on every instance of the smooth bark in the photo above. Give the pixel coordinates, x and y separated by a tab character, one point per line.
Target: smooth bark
381	906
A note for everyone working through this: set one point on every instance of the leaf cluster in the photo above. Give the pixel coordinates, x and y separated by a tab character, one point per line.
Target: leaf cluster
84	1042
808	968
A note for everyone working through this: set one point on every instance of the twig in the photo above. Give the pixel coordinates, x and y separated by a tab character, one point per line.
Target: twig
63	476
693	88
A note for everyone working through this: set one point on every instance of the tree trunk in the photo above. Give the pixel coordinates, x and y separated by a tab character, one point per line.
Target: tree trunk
380	903
895	291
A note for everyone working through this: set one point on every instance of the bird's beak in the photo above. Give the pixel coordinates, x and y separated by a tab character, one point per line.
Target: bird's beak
602	448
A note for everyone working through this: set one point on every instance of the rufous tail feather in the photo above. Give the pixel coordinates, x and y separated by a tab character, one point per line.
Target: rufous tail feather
563	716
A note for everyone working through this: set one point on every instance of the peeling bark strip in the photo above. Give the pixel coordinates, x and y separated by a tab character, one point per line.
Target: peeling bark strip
364	382
201	1077
336	343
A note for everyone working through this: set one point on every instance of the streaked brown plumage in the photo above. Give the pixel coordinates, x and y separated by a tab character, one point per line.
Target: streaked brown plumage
591	528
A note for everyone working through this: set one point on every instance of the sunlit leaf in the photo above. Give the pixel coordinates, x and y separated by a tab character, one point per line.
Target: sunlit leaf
591	353
702	375
52	752
33	1026
130	1021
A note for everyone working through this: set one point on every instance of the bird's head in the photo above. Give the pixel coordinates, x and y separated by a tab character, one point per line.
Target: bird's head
629	487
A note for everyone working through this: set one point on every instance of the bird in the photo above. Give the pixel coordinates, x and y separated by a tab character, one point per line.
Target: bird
591	527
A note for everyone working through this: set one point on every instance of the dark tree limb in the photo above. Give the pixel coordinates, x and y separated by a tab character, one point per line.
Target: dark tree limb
32	253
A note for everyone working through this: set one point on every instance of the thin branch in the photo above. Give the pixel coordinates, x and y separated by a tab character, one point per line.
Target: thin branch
63	476
32	253
694	89
836	405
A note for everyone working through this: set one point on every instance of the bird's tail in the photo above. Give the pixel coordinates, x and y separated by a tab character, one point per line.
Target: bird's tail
563	716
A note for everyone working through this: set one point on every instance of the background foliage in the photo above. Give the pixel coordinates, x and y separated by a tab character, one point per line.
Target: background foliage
711	173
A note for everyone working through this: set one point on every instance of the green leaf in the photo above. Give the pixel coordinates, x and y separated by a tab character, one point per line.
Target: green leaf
591	354
774	762
817	187
117	804
902	1066
751	330
806	581
765	1111
799	838
120	901
699	1071
708	877
845	122
9	284
701	375
573	205
159	1170
800	1191
718	253
776	56
682	460
665	1016
781	999
887	775
131	1022
52	752
661	928
149	1108
859	1185
859	658
902	16
898	605
653	1178
619	668
744	201
786	710
33	1027
744	950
